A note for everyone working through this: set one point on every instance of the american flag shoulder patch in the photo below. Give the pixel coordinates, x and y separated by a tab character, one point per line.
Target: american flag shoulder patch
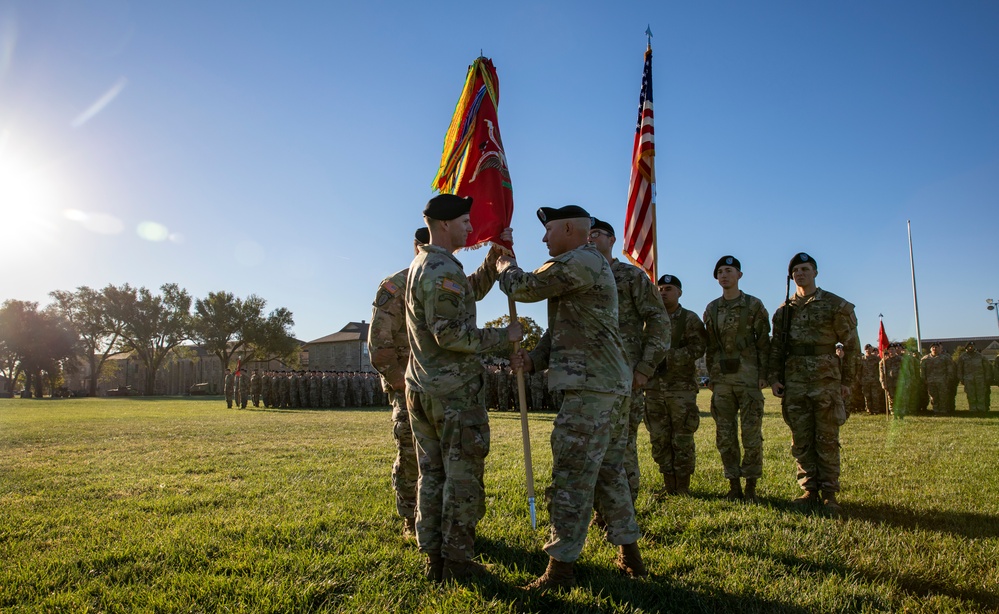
390	287
451	286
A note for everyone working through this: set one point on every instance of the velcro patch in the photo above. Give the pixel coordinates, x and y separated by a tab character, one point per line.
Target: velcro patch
451	286
390	287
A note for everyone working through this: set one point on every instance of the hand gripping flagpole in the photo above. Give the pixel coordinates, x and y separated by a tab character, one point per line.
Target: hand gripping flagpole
524	427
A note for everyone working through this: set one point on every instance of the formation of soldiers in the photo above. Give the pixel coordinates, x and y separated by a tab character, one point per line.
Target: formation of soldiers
303	389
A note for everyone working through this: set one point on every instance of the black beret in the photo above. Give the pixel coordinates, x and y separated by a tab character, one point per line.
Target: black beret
422	235
602	225
727	261
446	207
801	258
568	212
670	280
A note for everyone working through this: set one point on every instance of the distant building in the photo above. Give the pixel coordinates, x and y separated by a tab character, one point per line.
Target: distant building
344	350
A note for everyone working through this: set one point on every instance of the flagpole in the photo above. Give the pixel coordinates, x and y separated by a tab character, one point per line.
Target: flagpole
525	432
884	391
915	301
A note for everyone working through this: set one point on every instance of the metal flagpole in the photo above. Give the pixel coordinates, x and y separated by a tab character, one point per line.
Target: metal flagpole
915	301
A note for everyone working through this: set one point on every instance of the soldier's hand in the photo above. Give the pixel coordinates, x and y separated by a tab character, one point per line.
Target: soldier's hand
521	360
845	391
639	380
515	331
763	384
778	390
505	262
507	236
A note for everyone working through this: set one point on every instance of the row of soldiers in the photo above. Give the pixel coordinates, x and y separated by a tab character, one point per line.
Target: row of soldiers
901	383
303	389
499	390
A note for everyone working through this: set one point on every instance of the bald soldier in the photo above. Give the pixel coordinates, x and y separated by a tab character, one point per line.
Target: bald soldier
585	357
645	332
443	379
389	350
811	381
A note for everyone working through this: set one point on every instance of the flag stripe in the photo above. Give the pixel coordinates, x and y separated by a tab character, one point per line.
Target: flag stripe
639	234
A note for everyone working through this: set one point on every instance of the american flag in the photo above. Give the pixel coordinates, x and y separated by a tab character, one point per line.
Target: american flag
640	220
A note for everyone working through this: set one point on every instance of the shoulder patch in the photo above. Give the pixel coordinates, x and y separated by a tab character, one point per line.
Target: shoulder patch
390	287
382	298
451	286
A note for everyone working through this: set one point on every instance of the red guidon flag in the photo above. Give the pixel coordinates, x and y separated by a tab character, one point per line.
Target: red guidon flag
640	220
882	341
473	162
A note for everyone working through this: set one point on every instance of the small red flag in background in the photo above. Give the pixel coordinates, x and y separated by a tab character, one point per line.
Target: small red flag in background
473	162
639	221
882	341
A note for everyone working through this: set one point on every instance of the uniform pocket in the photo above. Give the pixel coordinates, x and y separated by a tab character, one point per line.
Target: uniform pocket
474	433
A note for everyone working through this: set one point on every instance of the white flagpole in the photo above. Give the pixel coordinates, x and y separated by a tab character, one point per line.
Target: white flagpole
915	301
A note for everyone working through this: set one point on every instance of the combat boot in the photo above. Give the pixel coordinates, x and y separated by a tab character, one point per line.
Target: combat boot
409	529
558	576
598	521
829	500
433	568
809	498
460	571
629	561
683	484
669	484
734	490
750	494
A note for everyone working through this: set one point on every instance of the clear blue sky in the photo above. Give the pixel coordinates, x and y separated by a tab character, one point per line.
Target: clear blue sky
287	149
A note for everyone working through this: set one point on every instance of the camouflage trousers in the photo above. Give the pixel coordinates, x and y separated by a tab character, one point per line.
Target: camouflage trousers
636	413
588	442
256	399
938	392
874	397
452	441
814	412
672	418
405	470
978	396
228	398
732	407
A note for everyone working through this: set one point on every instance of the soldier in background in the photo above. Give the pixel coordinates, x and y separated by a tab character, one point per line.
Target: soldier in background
255	388
890	370
645	333
265	389
671	412
228	387
342	386
442	386
738	347
870	383
503	389
937	370
583	351
811	380
975	372
242	388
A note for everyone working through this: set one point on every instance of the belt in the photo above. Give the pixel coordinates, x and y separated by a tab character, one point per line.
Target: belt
809	349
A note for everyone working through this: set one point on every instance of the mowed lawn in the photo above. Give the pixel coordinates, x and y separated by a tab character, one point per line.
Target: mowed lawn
180	505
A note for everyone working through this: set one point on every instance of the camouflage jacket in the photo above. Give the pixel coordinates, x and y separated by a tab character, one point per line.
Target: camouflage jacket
388	344
255	384
972	367
737	331
817	323
678	371
938	369
229	382
870	369
582	348
440	321
642	318
889	370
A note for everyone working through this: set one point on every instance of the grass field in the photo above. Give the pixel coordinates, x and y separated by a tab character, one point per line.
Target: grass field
180	505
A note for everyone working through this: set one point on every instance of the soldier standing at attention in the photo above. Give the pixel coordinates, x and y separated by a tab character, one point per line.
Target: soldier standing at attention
870	367
810	379
937	369
671	413
242	388
389	351
228	387
645	332
255	388
442	388
738	348
975	372
584	354
890	370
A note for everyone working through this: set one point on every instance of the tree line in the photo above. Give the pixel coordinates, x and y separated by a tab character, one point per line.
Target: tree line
89	326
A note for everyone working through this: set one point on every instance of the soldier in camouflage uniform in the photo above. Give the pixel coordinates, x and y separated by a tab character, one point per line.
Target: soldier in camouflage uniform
671	413
645	332
503	389
228	387
811	380
738	348
442	386
583	351
255	388
242	388
975	372
388	346
890	371
937	370
341	389
870	383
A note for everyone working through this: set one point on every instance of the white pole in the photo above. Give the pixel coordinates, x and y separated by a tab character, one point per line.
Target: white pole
915	301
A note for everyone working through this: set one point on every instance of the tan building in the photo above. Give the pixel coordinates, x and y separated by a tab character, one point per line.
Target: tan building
344	350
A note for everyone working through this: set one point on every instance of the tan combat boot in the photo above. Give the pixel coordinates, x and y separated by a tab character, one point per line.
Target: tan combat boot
558	576
669	484
683	485
433	568
750	494
464	570
409	529
809	498
734	490
829	500
629	561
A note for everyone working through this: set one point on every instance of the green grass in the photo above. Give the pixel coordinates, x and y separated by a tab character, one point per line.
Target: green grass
167	505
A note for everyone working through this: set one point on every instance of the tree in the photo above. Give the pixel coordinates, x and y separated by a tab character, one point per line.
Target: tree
33	342
153	325
532	332
226	325
99	328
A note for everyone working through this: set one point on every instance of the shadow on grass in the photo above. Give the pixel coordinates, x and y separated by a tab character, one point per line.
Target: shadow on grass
609	589
916	586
